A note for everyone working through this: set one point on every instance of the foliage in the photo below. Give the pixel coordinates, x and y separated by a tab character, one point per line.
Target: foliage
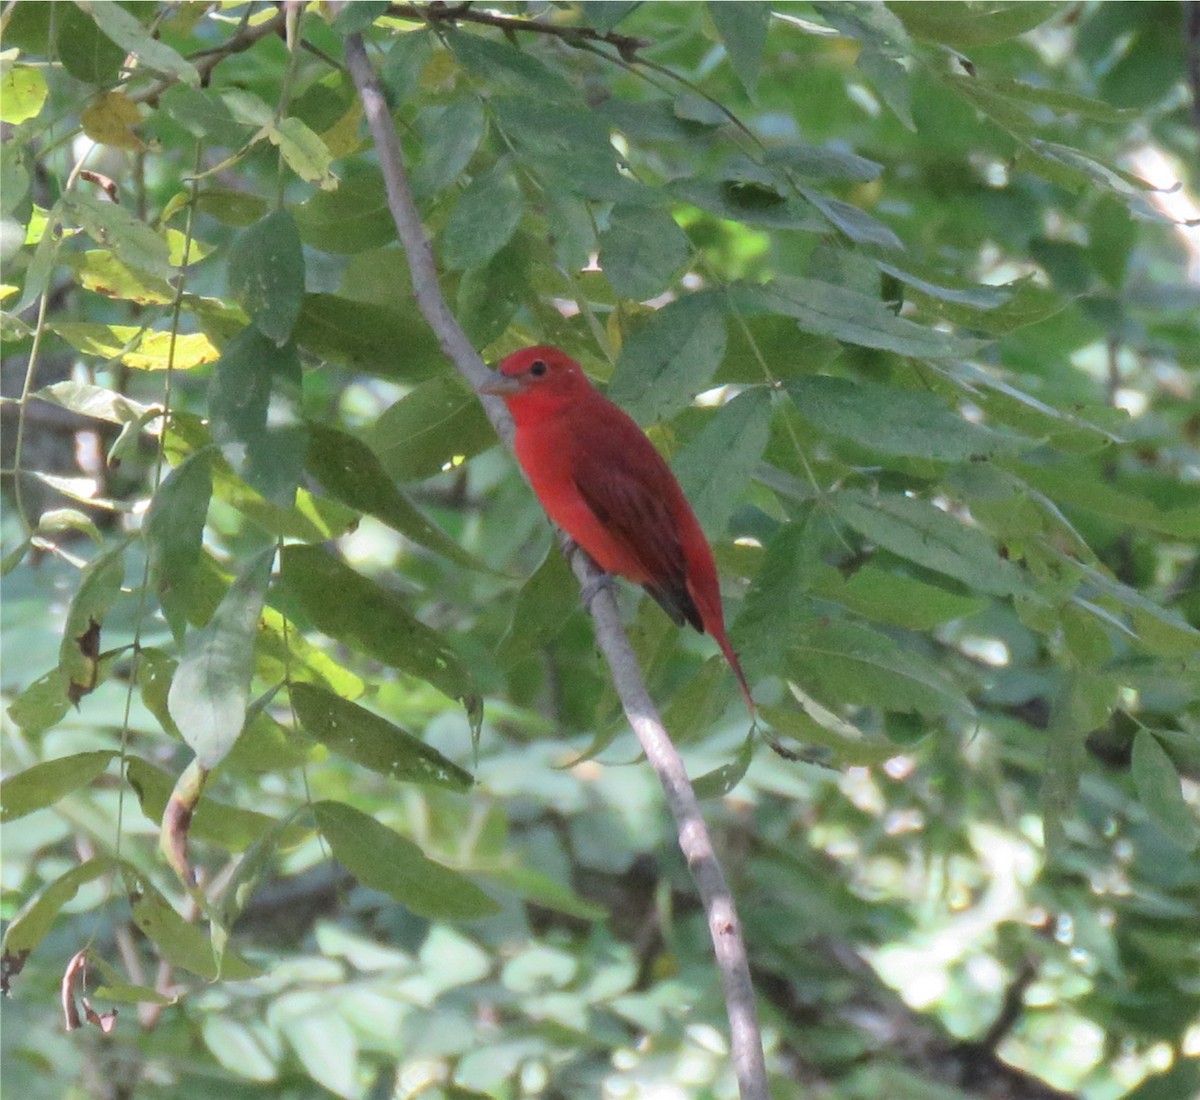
884	284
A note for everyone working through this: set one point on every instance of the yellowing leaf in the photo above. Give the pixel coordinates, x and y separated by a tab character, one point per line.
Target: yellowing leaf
306	154
22	94
177	242
101	271
142	349
110	119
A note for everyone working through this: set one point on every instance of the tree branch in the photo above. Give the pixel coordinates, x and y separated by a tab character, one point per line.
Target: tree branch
627	45
724	926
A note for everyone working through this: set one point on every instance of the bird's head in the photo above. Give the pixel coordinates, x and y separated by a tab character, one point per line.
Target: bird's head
538	377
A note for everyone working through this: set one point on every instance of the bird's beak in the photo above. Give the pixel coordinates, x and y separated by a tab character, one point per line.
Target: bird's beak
499	385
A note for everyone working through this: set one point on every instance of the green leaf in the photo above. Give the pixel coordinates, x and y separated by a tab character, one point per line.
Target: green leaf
16	166
743	30
29	927
816	162
349	470
174	533
669	358
384	860
721	780
370	619
258	860
543	606
406	58
490	295
43	704
1080	173
750	203
44	784
392	342
538	887
829	310
372	741
845	663
1075	484
778	599
567	147
894	598
203	114
1159	790
231	207
209	692
353	218
115	227
1158	629
255	378
603	15
505	66
127	32
641	251
1112	237
356	18
966	25
264	745
884	44
247	1050
715	467
439	424
859	226
86	53
897	421
850	745
451	134
305	153
22	93
266	274
916	530
946	288
99	587
95	401
1082	703
891	81
483	220
180	944
229	827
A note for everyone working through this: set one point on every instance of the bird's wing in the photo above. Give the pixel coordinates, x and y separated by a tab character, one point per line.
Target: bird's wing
617	479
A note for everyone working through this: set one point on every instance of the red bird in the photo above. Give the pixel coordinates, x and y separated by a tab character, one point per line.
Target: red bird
602	481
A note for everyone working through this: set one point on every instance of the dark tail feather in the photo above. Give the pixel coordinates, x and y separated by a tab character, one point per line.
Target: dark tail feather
736	665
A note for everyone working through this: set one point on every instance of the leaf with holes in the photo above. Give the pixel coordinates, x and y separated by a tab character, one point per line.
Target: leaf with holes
266	274
372	741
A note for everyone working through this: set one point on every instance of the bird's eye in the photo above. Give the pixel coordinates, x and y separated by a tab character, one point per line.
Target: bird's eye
538	368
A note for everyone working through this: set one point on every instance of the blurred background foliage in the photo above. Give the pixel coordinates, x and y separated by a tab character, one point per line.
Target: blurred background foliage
906	295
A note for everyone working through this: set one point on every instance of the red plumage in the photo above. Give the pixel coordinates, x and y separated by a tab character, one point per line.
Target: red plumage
602	481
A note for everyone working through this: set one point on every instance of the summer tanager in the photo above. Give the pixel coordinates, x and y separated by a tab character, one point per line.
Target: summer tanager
601	480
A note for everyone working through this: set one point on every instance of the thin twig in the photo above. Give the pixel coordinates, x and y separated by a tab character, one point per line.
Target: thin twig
724	926
208	59
626	45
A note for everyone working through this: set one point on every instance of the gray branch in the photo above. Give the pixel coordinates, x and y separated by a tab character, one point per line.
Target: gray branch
694	840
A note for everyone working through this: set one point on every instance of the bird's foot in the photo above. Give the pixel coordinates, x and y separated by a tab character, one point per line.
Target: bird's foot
594	585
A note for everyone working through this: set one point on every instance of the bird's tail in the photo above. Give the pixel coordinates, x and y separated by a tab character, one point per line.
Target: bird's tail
736	665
